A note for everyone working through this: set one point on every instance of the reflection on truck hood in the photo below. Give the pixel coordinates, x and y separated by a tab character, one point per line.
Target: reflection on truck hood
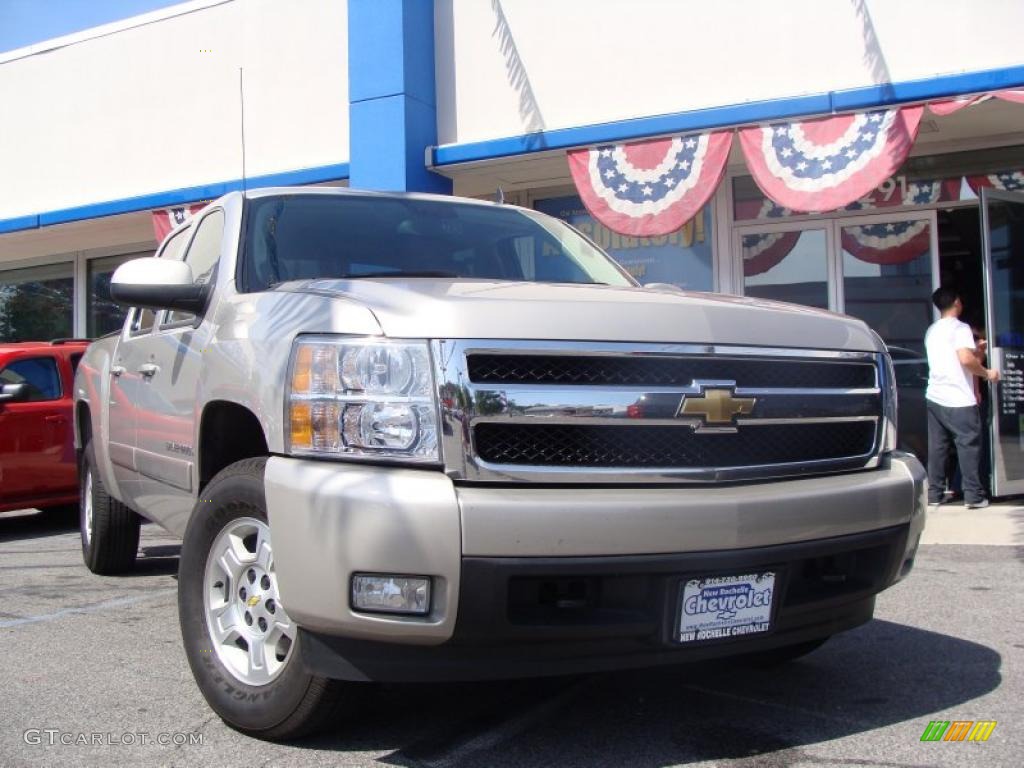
486	309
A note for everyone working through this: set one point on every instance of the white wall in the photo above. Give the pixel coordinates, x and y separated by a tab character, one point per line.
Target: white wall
522	65
148	109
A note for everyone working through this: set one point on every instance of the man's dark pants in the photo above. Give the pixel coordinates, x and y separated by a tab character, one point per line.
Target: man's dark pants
949	427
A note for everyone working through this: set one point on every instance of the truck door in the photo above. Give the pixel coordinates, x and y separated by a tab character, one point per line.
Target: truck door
122	406
129	375
168	410
1002	230
33	432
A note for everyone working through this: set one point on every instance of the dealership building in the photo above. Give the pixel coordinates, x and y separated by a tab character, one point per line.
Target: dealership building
832	153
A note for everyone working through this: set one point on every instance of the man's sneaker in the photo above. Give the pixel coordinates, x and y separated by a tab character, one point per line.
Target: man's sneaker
977	504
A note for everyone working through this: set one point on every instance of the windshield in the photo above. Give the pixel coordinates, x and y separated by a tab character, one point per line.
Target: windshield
301	237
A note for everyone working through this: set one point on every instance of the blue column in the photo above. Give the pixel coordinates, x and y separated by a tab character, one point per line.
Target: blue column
392	108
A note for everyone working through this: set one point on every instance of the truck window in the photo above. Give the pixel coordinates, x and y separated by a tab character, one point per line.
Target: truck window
203	256
40	373
302	237
175	244
142	321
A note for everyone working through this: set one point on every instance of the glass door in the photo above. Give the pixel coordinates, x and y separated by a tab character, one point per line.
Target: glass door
1002	231
889	268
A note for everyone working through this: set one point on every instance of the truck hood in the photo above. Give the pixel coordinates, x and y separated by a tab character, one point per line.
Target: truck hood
484	309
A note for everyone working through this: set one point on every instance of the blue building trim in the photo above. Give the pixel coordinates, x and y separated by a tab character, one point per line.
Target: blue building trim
19	223
768	110
171	197
392	105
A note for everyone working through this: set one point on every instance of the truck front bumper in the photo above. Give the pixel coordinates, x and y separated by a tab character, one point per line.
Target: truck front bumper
555	580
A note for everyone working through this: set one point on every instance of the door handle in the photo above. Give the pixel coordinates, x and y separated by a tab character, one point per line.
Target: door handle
148	369
117	370
54	419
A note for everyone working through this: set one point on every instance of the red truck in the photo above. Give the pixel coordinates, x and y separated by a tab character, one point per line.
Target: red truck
37	453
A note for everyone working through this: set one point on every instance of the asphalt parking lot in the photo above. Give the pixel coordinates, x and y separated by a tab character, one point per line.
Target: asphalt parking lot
85	655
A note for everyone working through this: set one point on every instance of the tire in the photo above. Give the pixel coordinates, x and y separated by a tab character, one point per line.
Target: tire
109	529
277	700
784	655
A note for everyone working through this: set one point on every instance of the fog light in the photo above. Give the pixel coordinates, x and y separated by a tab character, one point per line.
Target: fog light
385	593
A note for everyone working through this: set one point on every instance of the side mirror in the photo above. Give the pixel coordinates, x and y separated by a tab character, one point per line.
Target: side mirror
154	283
14	393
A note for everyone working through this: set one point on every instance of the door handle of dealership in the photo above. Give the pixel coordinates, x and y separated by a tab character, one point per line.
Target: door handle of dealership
148	369
117	370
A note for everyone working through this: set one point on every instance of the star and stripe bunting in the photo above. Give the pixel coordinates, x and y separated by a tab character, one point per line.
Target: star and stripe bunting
1007	181
650	188
166	219
894	242
897	242
827	163
764	250
949	106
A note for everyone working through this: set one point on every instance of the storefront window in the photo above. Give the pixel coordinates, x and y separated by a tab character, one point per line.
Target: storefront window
36	303
683	258
787	266
103	315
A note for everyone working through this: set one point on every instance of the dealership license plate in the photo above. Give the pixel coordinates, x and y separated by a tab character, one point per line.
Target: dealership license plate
723	607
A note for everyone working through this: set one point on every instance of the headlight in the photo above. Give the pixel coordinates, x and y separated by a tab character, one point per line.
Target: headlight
362	397
889	404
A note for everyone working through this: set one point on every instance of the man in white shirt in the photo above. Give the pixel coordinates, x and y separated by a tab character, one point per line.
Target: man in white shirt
953	417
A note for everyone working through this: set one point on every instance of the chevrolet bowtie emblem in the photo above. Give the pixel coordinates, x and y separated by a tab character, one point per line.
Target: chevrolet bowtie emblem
716	407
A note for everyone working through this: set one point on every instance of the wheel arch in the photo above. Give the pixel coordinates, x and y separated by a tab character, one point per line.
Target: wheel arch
228	432
83	428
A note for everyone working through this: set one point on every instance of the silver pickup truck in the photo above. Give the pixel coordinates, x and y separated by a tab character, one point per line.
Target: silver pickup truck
416	438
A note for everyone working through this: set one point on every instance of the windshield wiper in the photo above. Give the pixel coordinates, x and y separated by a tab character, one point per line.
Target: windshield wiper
410	273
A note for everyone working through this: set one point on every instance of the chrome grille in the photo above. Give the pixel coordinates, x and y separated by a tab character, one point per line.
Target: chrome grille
665	371
565	445
612	412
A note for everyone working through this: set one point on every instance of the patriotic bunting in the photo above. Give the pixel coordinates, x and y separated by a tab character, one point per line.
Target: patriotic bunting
1007	181
650	188
888	243
762	251
899	242
949	106
828	163
166	219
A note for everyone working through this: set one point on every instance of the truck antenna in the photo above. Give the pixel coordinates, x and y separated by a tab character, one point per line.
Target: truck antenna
500	196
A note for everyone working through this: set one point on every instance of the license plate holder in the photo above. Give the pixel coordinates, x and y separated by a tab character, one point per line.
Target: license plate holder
726	607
